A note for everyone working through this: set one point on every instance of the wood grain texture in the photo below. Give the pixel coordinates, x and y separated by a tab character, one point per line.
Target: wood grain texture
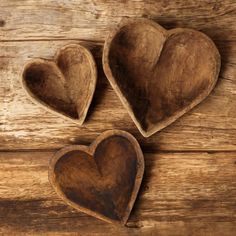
182	194
190	193
92	19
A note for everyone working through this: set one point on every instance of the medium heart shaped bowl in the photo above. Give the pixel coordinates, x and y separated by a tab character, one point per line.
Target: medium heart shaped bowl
102	179
159	74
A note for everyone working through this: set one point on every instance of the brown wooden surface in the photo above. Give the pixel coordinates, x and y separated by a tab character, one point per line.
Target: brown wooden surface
190	180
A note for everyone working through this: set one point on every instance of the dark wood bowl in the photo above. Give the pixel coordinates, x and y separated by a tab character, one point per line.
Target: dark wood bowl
102	179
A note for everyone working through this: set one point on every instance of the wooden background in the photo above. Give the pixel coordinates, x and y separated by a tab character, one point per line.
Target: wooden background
189	186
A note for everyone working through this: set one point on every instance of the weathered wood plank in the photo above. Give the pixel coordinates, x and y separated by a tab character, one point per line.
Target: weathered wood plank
90	19
182	194
210	126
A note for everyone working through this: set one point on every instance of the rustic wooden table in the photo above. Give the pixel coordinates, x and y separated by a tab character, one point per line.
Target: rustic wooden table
189	186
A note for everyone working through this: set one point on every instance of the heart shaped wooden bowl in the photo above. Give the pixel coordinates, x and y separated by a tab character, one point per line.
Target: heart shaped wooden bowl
102	179
64	86
159	74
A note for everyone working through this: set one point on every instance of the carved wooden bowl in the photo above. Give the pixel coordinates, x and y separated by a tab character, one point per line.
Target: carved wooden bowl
102	179
159	74
64	86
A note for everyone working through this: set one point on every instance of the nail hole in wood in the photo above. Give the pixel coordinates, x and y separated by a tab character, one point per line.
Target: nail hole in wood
2	23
